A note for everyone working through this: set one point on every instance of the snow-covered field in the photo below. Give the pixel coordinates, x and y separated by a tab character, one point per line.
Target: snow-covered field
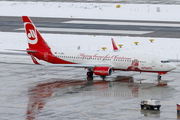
166	47
155	12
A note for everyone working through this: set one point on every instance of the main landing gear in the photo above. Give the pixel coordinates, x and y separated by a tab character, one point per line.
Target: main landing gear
89	75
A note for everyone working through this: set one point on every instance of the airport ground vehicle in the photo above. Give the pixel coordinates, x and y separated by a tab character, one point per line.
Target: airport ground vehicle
150	104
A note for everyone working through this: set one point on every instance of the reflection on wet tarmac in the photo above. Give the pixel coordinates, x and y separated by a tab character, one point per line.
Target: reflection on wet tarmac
151	113
178	116
41	93
121	87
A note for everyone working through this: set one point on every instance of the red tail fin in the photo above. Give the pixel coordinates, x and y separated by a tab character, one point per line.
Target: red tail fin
35	40
114	45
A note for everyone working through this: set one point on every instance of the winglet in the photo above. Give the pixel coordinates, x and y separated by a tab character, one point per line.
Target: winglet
114	45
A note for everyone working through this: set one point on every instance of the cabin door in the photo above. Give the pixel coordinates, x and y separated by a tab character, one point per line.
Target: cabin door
153	62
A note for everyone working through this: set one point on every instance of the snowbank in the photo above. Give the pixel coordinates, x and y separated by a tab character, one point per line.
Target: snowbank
166	47
155	12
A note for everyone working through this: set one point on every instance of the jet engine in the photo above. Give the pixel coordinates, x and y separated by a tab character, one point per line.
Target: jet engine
103	71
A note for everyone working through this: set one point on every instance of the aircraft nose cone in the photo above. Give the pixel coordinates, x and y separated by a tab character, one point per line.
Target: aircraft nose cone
173	66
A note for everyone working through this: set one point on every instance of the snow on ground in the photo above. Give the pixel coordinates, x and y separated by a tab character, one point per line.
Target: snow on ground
155	12
166	47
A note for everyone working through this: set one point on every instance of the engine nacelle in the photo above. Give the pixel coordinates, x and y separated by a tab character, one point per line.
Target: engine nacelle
102	71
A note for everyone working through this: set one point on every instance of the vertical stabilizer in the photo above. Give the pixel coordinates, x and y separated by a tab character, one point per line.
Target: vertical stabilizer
35	40
114	45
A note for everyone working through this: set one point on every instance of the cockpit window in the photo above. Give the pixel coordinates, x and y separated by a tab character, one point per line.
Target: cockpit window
165	61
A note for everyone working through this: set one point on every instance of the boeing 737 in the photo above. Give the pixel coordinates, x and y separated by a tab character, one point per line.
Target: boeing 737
101	63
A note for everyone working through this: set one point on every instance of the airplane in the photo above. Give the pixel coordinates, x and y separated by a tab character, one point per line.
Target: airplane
102	63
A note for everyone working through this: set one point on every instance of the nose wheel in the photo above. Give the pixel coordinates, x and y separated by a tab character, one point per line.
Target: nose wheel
159	77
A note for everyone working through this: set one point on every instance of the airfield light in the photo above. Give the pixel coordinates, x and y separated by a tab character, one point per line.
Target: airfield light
104	48
136	43
151	40
120	45
118	6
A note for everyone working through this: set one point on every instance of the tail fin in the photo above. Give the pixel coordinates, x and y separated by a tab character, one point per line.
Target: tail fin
35	40
114	45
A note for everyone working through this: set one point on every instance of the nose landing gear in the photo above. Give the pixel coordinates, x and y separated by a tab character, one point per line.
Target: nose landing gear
160	82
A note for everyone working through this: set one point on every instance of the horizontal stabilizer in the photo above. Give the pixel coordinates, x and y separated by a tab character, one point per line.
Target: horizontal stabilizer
33	51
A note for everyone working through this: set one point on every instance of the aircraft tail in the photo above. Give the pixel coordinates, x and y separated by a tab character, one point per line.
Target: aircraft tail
35	40
38	48
115	48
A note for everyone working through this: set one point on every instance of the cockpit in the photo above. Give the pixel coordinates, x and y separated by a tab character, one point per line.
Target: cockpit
165	61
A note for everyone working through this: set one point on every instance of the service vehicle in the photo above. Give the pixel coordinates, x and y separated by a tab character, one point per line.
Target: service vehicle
150	104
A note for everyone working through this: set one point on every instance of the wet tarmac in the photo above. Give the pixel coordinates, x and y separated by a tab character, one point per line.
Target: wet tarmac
36	92
81	26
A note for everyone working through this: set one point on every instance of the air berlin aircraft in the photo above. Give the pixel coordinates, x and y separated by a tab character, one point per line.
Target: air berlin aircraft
101	63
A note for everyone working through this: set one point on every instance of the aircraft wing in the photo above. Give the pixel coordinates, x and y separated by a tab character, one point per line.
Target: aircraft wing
79	65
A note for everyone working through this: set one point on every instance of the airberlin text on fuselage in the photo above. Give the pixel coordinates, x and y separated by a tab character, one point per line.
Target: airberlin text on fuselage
146	67
104	57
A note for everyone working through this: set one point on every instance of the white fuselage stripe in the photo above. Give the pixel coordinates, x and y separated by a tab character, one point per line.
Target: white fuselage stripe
91	30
